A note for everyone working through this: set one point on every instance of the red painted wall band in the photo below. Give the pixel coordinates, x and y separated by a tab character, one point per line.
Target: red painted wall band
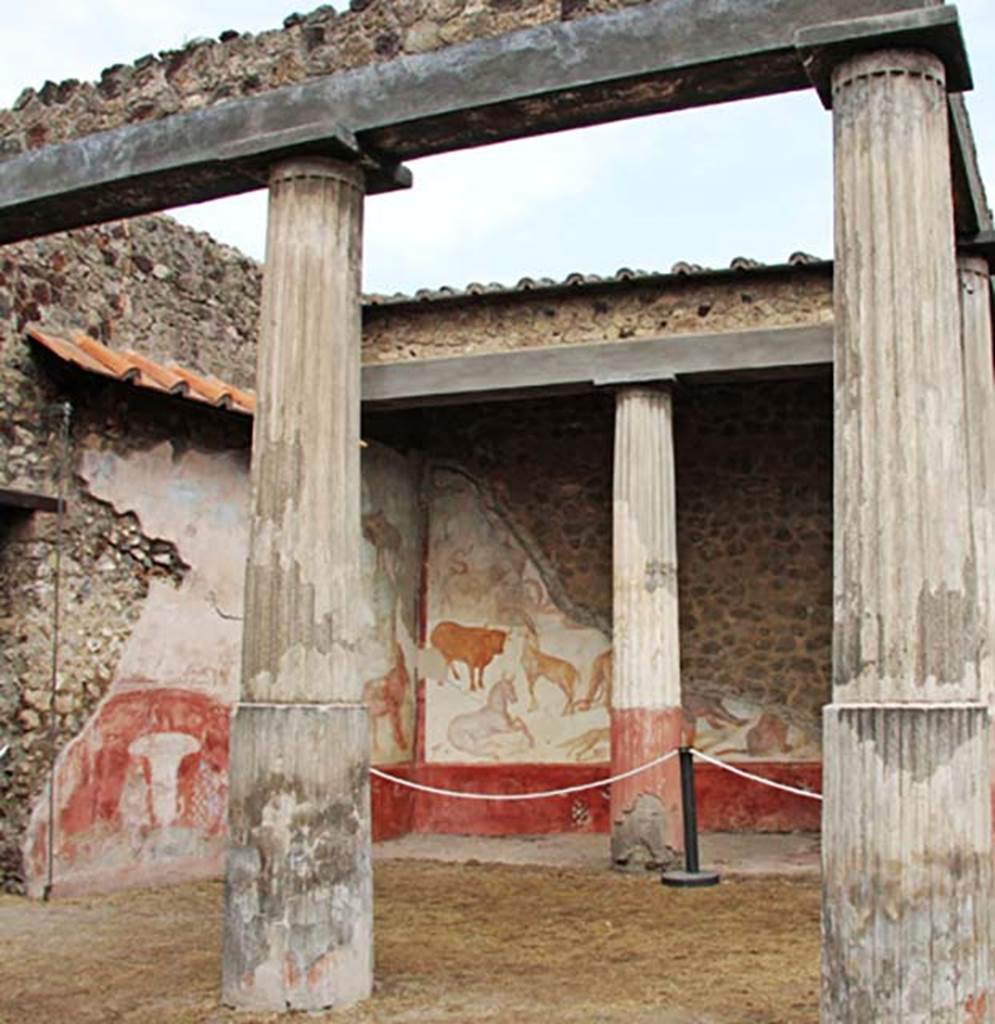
725	803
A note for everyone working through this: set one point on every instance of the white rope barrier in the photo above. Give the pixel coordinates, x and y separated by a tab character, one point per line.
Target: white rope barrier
757	778
599	784
435	791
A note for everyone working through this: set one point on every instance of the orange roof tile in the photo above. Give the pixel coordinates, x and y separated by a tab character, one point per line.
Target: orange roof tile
141	372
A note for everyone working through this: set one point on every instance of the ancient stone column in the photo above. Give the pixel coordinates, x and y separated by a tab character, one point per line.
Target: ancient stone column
298	896
646	714
906	820
979	396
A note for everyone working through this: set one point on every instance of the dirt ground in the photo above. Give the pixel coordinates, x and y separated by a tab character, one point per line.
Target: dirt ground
455	942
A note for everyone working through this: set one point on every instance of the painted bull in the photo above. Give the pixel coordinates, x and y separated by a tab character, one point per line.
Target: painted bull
475	646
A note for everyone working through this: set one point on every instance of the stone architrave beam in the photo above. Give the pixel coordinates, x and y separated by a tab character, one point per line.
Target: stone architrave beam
650	58
982	245
570	369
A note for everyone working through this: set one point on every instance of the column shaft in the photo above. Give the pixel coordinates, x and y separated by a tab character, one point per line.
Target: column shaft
303	574
298	894
979	397
906	817
646	696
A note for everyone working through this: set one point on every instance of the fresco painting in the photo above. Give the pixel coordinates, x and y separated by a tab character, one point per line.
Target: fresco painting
509	676
513	678
739	730
147	782
142	792
391	565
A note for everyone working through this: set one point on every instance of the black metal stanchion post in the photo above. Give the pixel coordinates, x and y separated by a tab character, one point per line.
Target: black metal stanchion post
692	876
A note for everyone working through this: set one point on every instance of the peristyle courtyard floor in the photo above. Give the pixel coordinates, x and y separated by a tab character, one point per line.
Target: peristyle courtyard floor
521	931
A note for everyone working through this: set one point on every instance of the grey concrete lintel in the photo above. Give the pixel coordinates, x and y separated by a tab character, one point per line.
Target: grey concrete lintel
667	55
186	158
970	201
577	368
935	29
29	501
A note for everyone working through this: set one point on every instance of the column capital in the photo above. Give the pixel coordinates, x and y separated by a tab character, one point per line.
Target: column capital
973	265
646	389
925	42
979	250
318	168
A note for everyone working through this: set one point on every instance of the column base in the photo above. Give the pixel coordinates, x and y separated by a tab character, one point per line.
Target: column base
646	809
907	863
298	890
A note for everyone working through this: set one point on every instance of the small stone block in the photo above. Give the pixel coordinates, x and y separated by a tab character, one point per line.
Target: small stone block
935	29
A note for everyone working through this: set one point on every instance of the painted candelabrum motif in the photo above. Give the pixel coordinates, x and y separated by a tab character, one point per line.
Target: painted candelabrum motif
141	792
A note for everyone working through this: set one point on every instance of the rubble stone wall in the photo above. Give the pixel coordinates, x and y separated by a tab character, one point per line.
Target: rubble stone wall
174	295
611	311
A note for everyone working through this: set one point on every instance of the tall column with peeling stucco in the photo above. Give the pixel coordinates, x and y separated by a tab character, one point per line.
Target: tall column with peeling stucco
907	819
646	715
979	396
298	896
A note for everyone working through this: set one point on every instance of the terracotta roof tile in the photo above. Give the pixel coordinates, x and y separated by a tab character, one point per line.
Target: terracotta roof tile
163	376
114	363
741	264
142	372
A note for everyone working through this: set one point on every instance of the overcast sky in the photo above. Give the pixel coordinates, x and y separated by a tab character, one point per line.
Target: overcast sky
752	179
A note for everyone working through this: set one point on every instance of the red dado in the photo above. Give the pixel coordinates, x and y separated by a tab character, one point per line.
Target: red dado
576	812
638	736
141	795
726	803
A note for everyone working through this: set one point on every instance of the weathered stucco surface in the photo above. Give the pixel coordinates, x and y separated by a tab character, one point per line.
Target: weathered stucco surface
174	294
133	797
207	72
171	293
141	793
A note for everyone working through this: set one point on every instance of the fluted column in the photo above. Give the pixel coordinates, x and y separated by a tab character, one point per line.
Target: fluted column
298	895
979	394
646	715
907	819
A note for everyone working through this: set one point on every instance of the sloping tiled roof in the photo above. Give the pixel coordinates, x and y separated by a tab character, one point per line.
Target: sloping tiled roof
740	264
141	372
131	368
